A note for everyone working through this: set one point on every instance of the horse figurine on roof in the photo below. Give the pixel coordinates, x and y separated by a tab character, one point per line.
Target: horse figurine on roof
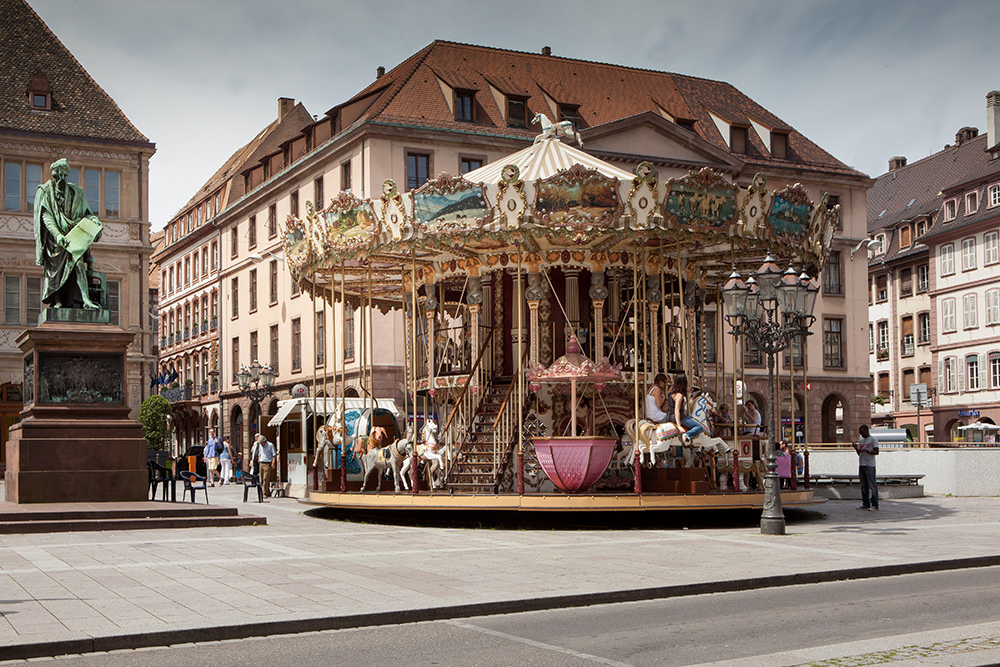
552	130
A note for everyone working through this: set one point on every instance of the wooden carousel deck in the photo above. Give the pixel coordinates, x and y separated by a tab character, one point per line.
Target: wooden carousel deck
557	502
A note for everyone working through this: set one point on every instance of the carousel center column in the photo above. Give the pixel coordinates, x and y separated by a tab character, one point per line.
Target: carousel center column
653	298
430	312
598	293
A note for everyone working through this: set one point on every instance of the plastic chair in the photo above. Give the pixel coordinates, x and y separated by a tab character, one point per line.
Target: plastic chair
191	483
161	475
251	481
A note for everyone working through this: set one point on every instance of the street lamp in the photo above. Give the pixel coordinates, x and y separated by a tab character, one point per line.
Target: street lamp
771	309
256	382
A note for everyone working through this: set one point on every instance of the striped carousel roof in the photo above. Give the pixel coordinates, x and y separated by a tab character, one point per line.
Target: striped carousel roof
544	159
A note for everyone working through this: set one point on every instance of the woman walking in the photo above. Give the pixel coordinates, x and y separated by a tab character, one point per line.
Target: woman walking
226	459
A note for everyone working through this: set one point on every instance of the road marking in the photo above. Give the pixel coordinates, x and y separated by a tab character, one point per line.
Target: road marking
542	645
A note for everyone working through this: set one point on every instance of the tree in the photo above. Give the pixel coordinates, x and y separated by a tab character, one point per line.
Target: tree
153	417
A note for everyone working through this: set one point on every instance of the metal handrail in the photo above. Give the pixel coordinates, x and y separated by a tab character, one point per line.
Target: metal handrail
482	351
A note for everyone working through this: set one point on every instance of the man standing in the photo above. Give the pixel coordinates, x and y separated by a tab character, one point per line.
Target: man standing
867	449
264	452
212	450
65	228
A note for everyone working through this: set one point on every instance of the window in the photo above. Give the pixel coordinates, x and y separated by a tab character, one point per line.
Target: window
907	381
12	186
345	176
33	300
971	203
947	259
236	297
883	385
187	271
234	239
272	221
204	261
752	355
517	112
467	164
831	275
197	218
112	194
970	316
318	194
906	336
217	204
738	139
905	282
293	203
972	372
833	344
320	338
194	263
274	348
921	228
41	101
950	382
948	316
236	357
779	145
994	195
871	339
709	339
905	236
883	340
923	278
348	333
253	290
12	300
571	112
968	254
273	292
253	346
950	210
465	106
297	344
992	306
215	254
417	166
994	370
990	248
923	328
252	232
881	288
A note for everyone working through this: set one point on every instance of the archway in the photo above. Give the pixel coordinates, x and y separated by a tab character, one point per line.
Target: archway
351	392
954	435
834	410
236	427
787	429
762	408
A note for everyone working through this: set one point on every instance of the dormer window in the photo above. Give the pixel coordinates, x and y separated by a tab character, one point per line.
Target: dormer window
971	203
570	112
905	238
921	228
950	209
517	112
738	139
40	93
465	106
686	123
779	145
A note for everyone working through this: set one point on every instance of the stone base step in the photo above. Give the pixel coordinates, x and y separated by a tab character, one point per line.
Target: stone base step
72	517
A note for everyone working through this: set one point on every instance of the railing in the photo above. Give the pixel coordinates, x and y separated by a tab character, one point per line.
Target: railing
452	350
461	419
214	324
882	352
506	423
177	394
908	345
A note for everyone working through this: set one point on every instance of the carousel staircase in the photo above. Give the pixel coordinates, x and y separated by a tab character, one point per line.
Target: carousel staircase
473	471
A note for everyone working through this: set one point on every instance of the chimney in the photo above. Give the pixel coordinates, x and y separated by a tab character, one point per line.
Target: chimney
897	162
379	72
285	104
993	119
966	134
546	50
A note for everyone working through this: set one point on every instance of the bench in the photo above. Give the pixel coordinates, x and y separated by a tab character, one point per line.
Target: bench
900	480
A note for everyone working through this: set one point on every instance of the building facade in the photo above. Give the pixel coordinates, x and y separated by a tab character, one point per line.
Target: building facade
50	108
935	288
453	108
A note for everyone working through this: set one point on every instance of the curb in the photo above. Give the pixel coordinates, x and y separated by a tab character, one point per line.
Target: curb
375	619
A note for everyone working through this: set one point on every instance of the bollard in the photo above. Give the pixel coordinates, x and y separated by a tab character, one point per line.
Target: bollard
520	472
343	469
736	469
637	466
806	485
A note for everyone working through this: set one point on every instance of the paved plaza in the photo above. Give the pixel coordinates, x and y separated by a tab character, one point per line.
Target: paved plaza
78	592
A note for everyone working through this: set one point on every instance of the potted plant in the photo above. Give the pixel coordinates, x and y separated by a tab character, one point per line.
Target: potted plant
878	399
153	418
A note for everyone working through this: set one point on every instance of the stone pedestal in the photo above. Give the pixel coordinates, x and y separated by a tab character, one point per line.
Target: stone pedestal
76	442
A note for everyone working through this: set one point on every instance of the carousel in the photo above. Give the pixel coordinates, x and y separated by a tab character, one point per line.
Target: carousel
541	295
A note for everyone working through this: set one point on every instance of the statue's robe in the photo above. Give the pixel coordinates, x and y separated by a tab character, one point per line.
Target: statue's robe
61	264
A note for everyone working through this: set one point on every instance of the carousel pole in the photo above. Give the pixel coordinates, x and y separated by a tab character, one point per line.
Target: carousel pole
414	475
685	353
520	379
738	399
636	464
663	314
333	350
371	343
343	388
717	343
315	379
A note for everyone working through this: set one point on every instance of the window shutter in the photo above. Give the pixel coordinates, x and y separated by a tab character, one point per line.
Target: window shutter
961	375
984	372
942	387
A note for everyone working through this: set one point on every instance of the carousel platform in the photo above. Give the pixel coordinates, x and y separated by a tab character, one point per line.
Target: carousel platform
558	502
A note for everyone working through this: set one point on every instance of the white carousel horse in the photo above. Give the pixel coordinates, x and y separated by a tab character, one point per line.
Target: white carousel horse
561	129
429	451
380	458
329	437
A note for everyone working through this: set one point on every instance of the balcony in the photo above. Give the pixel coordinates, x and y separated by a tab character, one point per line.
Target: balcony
214	324
177	394
882	352
170	340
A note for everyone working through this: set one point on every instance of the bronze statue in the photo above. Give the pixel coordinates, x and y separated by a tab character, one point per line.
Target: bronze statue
65	228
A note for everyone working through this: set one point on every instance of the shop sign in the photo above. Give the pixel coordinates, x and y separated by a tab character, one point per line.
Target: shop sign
968	413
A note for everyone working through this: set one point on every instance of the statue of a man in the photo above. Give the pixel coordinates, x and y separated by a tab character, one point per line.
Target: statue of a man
65	228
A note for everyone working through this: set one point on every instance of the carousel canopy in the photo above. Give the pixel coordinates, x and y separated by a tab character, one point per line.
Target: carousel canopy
544	159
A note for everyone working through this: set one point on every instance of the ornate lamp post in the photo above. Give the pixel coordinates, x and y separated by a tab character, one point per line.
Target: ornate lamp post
256	382
771	309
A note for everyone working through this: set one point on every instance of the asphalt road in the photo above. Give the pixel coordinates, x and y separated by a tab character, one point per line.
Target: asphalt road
837	620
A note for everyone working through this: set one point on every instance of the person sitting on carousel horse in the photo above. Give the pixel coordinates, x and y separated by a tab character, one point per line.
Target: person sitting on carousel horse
655	400
677	399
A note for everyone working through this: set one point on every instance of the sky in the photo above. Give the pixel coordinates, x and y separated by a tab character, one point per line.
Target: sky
865	79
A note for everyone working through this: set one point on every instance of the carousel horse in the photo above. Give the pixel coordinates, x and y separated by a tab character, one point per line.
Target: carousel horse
428	451
561	129
376	436
380	458
329	438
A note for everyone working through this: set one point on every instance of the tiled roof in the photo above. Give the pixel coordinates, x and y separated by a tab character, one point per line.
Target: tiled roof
980	174
410	94
913	191
80	107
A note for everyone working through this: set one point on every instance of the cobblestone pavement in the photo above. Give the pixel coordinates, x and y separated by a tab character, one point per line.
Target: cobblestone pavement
125	585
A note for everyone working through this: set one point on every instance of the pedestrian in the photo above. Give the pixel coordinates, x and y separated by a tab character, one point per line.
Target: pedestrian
263	453
211	457
867	449
226	460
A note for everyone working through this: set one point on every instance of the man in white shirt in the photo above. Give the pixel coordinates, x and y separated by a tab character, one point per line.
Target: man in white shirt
264	453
